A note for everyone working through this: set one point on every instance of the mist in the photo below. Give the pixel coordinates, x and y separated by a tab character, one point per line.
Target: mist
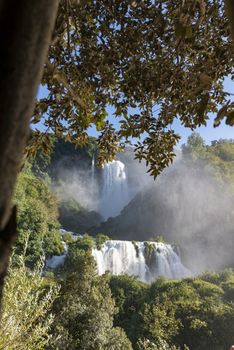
80	186
199	216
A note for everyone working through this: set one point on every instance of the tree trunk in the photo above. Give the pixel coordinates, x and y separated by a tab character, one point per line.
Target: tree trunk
25	32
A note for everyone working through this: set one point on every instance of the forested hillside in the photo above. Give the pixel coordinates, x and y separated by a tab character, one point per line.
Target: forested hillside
37	217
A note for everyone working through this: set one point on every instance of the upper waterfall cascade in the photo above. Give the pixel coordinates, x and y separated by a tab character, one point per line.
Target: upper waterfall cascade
115	192
93	174
121	257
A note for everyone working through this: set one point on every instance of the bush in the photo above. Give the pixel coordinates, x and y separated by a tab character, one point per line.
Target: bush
67	237
158	239
26	313
100	240
145	344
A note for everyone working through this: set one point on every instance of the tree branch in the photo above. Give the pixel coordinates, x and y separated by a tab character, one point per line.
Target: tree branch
61	78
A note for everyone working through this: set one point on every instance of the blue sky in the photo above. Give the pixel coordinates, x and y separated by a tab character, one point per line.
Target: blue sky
208	132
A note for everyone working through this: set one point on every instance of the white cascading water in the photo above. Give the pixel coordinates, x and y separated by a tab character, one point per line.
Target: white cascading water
115	194
119	257
93	174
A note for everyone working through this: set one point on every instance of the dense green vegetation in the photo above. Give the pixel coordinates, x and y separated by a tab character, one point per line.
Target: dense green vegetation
38	223
219	157
198	312
64	155
73	308
85	309
152	62
100	239
26	315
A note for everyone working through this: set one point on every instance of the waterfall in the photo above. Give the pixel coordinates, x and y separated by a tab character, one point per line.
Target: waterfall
93	174
115	194
121	257
145	260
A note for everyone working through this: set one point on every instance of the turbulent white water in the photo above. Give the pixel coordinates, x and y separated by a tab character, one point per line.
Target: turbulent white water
125	257
115	192
93	169
93	182
121	257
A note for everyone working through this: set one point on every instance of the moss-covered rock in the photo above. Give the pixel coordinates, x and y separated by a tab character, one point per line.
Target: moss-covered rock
149	253
136	248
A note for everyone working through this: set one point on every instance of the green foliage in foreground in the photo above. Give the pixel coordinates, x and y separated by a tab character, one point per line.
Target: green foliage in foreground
167	314
26	314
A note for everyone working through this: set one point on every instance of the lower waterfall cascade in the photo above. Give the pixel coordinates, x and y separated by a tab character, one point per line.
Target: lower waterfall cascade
144	260
125	257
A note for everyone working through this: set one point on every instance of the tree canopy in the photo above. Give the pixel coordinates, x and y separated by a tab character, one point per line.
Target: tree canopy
153	62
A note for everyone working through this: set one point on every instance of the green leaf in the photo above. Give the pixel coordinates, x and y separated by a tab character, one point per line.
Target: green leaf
180	30
230	118
100	124
189	31
183	31
220	115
